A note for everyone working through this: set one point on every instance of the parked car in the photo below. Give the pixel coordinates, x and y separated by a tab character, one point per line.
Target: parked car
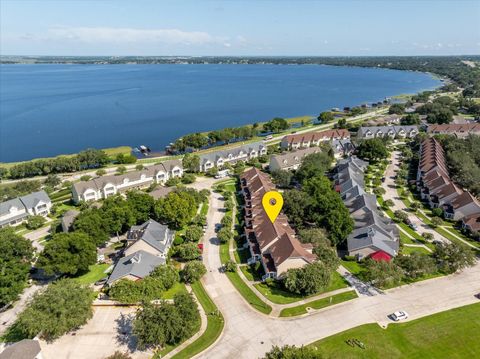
400	315
477	295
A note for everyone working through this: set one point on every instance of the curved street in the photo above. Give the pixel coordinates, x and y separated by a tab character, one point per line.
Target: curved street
250	334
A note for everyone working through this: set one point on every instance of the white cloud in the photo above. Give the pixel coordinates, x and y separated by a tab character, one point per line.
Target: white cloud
131	35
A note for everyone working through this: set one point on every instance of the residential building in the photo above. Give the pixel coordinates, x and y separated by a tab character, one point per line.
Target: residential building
387	131
231	155
472	223
291	160
437	188
374	235
151	237
461	130
68	218
148	248
103	187
17	210
342	148
24	349
314	138
135	266
274	245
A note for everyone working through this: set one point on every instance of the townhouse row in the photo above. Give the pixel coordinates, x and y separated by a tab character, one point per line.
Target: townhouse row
365	133
231	155
106	186
373	235
274	245
314	138
16	211
462	130
437	188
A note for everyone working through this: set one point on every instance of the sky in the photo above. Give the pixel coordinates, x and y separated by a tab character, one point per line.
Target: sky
239	28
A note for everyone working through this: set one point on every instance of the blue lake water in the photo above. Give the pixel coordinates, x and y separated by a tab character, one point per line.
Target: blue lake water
46	110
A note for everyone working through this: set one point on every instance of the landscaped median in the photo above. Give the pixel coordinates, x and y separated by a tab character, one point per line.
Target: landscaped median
215	324
318	304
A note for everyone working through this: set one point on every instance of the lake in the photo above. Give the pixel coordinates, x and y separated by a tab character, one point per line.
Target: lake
46	110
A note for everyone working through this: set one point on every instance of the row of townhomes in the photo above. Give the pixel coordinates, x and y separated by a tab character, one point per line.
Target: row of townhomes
103	187
374	235
366	133
308	139
291	160
440	191
273	244
17	210
458	130
231	155
148	246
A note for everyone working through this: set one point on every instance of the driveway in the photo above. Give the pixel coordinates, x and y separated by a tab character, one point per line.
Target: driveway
8	317
249	334
391	193
36	236
99	338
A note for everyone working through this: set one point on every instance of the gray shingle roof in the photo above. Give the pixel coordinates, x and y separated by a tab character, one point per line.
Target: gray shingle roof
214	156
32	199
139	264
68	218
99	183
289	159
155	234
384	129
371	236
7	205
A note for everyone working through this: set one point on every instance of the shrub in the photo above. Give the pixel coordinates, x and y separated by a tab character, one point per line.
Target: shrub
188	178
193	271
194	233
85	178
35	222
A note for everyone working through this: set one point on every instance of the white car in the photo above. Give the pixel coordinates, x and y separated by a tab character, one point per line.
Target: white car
400	315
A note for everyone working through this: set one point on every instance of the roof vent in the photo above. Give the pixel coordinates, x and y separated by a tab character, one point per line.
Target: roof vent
136	258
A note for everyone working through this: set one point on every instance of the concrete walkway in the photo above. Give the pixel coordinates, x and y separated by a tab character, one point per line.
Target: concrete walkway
391	193
249	334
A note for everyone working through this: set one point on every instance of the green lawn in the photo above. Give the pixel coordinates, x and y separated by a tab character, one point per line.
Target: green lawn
242	255
278	295
177	288
318	304
352	266
95	273
409	250
450	334
215	325
248	294
251	274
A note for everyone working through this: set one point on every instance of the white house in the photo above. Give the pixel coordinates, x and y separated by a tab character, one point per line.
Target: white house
106	186
231	155
387	131
17	210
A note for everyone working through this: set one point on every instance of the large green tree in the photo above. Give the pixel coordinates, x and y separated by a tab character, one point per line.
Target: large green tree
452	257
177	209
373	150
68	254
191	162
313	165
166	323
16	254
309	279
64	306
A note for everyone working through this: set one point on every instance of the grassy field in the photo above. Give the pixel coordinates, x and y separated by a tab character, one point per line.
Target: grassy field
450	334
177	288
278	295
318	304
215	325
109	151
409	250
96	272
248	294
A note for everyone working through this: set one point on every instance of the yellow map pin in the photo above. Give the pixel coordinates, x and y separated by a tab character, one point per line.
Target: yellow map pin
272	202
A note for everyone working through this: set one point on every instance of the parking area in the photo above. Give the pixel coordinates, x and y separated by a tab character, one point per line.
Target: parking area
106	332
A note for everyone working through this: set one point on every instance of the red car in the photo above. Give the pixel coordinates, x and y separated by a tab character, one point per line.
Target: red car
200	246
